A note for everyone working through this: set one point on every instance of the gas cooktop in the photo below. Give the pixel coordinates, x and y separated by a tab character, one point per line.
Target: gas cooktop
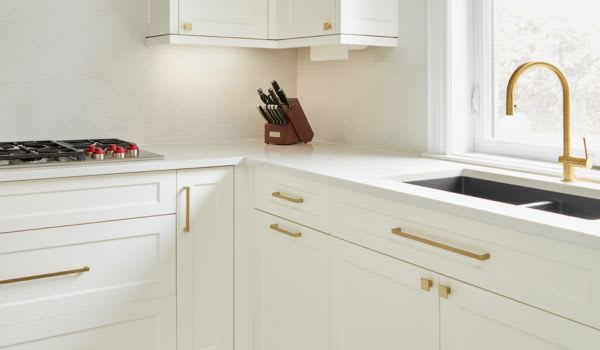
86	151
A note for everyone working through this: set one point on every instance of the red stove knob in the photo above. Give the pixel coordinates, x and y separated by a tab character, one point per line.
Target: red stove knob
90	150
98	154
133	150
111	149
119	152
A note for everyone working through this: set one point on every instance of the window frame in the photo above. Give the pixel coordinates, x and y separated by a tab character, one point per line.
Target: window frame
459	125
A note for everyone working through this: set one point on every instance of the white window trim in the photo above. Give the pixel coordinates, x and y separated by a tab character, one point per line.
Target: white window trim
448	119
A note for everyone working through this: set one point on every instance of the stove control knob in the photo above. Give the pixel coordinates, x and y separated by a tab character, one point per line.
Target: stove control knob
133	150
89	151
98	154
119	153
110	150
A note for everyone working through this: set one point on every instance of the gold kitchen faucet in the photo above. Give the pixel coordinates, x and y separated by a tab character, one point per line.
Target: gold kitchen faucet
569	162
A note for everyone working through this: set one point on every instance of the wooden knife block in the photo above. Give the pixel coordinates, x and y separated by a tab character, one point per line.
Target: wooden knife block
297	130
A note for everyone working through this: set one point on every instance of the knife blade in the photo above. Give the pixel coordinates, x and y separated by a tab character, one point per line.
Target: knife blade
280	93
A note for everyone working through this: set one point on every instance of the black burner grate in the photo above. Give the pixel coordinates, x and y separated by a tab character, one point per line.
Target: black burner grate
38	150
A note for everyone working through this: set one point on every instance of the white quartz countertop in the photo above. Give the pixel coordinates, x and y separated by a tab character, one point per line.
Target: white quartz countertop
363	170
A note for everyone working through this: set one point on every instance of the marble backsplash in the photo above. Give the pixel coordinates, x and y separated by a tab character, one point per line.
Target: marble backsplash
79	68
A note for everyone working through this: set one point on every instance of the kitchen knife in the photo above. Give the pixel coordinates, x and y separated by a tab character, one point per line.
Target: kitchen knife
273	97
280	93
264	114
276	109
266	100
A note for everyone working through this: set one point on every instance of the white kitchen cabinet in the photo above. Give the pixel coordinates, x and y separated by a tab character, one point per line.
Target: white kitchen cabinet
276	24
99	264
378	302
33	204
474	319
144	325
302	18
224	18
291	286
205	259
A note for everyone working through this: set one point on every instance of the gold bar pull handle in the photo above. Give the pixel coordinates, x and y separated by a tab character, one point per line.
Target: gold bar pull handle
187	190
327	26
46	275
480	257
279	195
276	227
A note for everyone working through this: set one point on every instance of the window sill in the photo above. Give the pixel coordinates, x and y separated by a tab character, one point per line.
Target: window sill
516	164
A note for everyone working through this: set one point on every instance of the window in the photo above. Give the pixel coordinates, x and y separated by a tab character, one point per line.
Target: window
504	34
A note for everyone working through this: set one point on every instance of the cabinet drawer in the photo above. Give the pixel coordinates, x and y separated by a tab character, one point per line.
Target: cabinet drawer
127	261
143	325
297	199
33	204
551	275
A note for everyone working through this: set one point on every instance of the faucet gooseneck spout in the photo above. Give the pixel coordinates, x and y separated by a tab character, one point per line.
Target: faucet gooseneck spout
569	162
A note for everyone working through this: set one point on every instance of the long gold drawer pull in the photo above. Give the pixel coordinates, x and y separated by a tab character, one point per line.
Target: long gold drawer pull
480	257
46	275
276	227
186	228
296	200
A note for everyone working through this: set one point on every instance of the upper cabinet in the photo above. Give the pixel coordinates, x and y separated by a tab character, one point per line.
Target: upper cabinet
289	19
224	18
273	23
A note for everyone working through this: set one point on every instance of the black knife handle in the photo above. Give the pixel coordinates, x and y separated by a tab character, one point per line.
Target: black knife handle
263	97
274	97
280	93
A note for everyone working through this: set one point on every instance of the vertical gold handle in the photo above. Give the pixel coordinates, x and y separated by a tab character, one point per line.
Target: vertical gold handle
46	275
444	291
327	26
426	284
187	190
276	227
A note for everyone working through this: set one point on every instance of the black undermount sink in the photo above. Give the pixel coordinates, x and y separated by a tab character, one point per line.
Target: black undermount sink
555	202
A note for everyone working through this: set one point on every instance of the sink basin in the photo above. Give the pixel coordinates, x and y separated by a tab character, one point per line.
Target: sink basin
555	202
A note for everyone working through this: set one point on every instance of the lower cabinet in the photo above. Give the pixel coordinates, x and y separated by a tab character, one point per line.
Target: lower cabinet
474	319
205	259
142	325
378	302
291	286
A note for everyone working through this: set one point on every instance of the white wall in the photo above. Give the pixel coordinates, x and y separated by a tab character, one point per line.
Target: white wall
78	68
379	97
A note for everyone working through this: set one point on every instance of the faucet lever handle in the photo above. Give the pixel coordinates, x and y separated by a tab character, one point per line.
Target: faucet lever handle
585	148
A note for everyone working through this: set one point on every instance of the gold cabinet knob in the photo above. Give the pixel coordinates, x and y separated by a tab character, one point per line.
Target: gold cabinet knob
327	26
426	284
444	291
187	27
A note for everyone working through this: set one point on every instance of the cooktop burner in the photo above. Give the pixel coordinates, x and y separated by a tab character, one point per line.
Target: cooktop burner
25	153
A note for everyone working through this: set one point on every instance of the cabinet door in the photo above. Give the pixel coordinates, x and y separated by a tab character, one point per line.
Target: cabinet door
474	319
378	302
224	18
205	259
302	18
291	291
145	325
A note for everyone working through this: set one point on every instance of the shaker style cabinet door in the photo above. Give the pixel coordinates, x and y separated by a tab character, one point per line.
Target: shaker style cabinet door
291	286
224	18
205	259
379	302
475	319
290	19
